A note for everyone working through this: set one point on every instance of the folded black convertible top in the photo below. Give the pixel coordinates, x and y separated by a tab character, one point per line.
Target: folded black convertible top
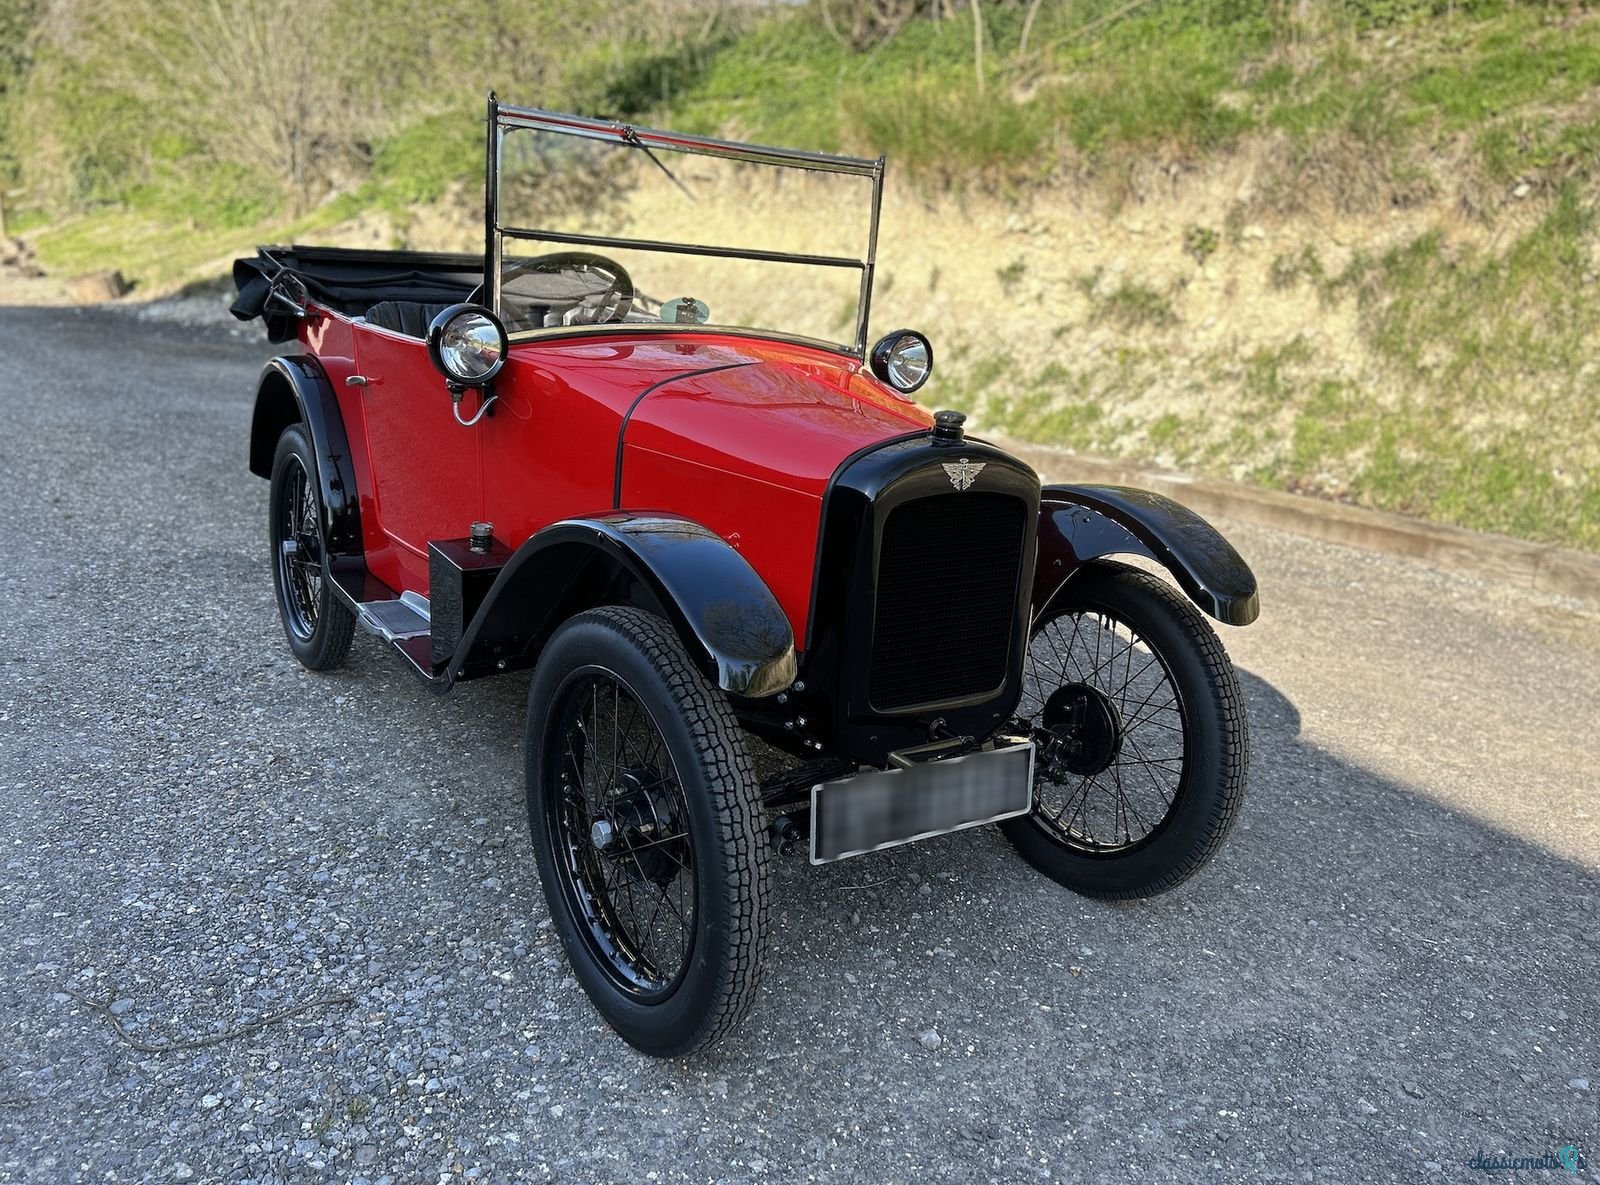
351	281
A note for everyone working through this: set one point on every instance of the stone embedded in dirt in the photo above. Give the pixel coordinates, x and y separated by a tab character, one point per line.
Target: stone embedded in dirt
930	1040
95	287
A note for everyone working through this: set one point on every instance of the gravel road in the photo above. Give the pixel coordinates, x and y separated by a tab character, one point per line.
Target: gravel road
1392	967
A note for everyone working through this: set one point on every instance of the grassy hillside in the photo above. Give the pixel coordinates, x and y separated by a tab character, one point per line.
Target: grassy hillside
1347	248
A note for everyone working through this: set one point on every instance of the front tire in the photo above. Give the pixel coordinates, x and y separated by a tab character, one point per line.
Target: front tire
318	625
645	815
1142	734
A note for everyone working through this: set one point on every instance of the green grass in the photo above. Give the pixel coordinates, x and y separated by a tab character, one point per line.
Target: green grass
1498	67
157	253
1410	461
1151	79
420	162
1010	276
1292	267
1449	315
1160	84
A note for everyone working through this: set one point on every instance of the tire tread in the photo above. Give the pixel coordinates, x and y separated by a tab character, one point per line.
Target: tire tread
714	731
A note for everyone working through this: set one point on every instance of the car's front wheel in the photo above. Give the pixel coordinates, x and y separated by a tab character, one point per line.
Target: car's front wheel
1143	743
317	623
645	817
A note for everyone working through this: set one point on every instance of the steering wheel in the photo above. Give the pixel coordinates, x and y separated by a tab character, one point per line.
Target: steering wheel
613	304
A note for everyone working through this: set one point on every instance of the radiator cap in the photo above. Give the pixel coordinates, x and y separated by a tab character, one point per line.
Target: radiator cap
947	427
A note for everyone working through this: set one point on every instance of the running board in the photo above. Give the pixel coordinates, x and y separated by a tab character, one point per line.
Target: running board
403	622
397	620
461	575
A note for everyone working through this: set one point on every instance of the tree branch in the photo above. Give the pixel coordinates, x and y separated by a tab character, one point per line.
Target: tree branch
215	1038
1083	30
1027	27
977	45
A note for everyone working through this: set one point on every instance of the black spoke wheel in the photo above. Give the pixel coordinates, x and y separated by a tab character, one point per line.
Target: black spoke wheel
645	818
318	625
1141	732
620	828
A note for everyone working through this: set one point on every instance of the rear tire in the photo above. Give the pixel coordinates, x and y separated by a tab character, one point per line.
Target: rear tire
317	623
645	814
1143	739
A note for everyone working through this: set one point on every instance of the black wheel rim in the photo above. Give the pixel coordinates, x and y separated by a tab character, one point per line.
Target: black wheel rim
619	827
298	550
1104	709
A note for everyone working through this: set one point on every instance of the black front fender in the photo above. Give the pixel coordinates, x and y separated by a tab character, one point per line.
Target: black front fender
1081	523
295	389
725	614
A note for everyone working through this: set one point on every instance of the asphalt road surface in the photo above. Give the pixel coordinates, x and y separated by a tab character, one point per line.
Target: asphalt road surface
1392	967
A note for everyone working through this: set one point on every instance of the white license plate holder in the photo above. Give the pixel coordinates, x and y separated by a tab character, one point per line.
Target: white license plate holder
885	808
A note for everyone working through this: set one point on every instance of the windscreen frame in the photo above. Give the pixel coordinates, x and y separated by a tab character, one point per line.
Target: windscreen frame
503	118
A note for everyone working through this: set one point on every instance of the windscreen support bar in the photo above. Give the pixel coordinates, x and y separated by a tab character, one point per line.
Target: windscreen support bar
491	207
561	236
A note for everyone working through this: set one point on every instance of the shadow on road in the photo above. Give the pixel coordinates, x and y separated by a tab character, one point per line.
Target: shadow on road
1360	964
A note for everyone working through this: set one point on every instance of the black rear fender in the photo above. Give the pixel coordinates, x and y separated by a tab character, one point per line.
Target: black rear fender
1082	523
294	389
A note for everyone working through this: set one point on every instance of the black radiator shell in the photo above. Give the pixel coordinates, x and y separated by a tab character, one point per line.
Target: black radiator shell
837	669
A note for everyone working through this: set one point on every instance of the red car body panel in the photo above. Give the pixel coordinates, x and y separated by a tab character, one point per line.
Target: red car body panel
748	451
739	433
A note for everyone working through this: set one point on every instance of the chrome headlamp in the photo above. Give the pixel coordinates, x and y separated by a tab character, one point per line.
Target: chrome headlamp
467	344
903	359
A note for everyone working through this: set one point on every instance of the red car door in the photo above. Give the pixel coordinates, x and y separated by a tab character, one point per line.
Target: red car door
427	468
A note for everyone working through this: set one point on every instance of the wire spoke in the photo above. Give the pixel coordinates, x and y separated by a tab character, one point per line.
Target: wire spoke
634	891
1119	711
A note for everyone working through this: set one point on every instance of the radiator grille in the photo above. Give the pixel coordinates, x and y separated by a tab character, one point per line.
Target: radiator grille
947	594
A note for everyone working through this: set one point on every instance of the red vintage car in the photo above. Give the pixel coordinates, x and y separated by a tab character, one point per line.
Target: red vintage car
669	476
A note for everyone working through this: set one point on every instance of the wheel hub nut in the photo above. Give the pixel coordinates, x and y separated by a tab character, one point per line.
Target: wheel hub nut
602	834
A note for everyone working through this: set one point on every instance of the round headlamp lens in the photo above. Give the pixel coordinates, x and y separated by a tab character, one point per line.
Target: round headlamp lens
471	347
909	363
903	359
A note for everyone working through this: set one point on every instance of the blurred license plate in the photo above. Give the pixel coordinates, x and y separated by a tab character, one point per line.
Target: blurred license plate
895	806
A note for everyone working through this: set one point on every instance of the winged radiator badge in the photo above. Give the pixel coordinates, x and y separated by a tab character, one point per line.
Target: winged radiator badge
963	472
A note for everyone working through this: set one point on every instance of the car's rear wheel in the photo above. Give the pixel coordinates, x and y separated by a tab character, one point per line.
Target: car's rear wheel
645	817
316	622
1143	743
